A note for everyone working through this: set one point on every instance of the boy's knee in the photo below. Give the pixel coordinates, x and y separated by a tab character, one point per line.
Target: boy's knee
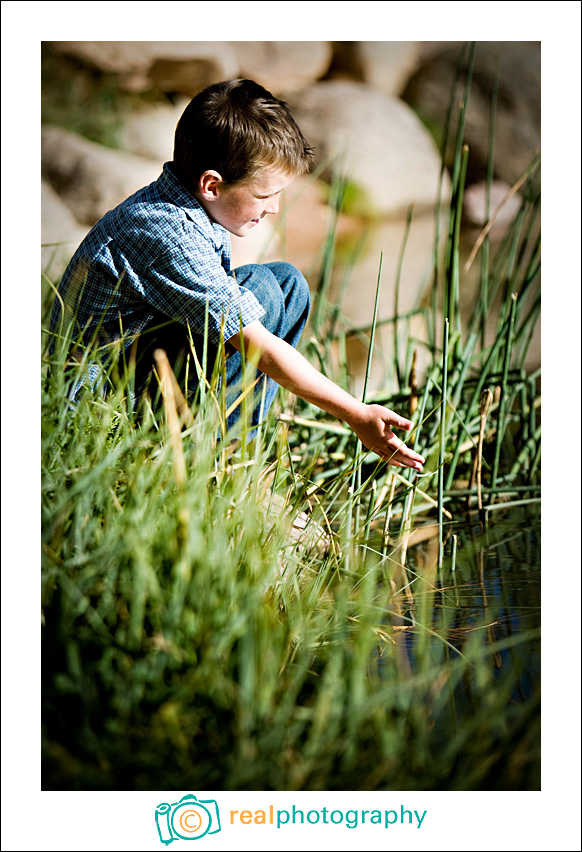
292	283
281	289
262	283
272	300
304	293
282	270
286	273
300	285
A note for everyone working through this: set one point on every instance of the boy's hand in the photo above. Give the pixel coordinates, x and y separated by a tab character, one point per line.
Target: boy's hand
374	429
371	423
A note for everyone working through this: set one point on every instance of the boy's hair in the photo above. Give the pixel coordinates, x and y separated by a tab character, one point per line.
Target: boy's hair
238	128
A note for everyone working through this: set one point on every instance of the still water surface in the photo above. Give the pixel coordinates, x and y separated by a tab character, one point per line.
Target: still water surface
495	591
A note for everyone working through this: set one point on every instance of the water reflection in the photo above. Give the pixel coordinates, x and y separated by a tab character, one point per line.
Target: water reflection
492	596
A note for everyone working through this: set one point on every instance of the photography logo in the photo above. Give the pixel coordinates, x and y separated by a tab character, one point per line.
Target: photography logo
188	819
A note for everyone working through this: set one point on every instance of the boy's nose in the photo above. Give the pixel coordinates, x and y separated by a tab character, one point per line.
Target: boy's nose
272	205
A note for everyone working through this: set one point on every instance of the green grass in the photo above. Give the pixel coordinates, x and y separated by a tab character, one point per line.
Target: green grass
190	640
175	653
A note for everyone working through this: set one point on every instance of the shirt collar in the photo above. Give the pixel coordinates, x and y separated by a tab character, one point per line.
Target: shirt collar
174	191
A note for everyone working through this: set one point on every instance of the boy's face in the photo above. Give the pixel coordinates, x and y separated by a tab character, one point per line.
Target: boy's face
240	207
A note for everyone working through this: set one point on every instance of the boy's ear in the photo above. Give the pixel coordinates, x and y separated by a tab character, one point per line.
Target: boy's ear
210	184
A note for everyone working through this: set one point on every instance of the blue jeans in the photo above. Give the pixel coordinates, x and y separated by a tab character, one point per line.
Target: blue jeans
284	294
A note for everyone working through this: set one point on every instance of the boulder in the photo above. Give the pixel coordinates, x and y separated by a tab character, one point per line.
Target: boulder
169	66
470	294
150	132
90	178
385	240
503	205
387	65
384	65
304	223
283	67
518	125
61	234
190	68
111	57
377	142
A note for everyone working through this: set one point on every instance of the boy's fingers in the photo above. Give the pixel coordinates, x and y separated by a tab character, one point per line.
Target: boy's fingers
400	422
400	447
400	456
404	456
396	462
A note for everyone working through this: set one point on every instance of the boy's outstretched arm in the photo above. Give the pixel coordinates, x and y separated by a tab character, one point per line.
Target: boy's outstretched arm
372	423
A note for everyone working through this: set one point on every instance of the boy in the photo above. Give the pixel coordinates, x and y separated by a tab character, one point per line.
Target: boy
157	267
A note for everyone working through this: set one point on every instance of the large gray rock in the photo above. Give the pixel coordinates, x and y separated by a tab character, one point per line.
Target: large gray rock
518	125
283	67
150	132
385	241
384	65
170	66
90	178
387	65
304	223
111	57
503	205
377	141
60	233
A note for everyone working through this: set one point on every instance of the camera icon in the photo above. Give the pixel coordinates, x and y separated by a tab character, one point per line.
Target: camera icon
188	819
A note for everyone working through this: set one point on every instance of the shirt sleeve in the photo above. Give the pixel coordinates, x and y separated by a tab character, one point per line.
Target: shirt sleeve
186	278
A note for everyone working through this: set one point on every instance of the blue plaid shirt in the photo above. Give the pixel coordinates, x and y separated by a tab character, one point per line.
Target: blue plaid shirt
158	252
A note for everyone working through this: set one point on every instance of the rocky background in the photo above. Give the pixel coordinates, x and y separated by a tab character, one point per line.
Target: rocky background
374	111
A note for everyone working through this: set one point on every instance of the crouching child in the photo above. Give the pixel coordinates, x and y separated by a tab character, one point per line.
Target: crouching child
155	272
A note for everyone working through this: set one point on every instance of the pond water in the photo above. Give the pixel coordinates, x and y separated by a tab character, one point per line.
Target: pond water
494	590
